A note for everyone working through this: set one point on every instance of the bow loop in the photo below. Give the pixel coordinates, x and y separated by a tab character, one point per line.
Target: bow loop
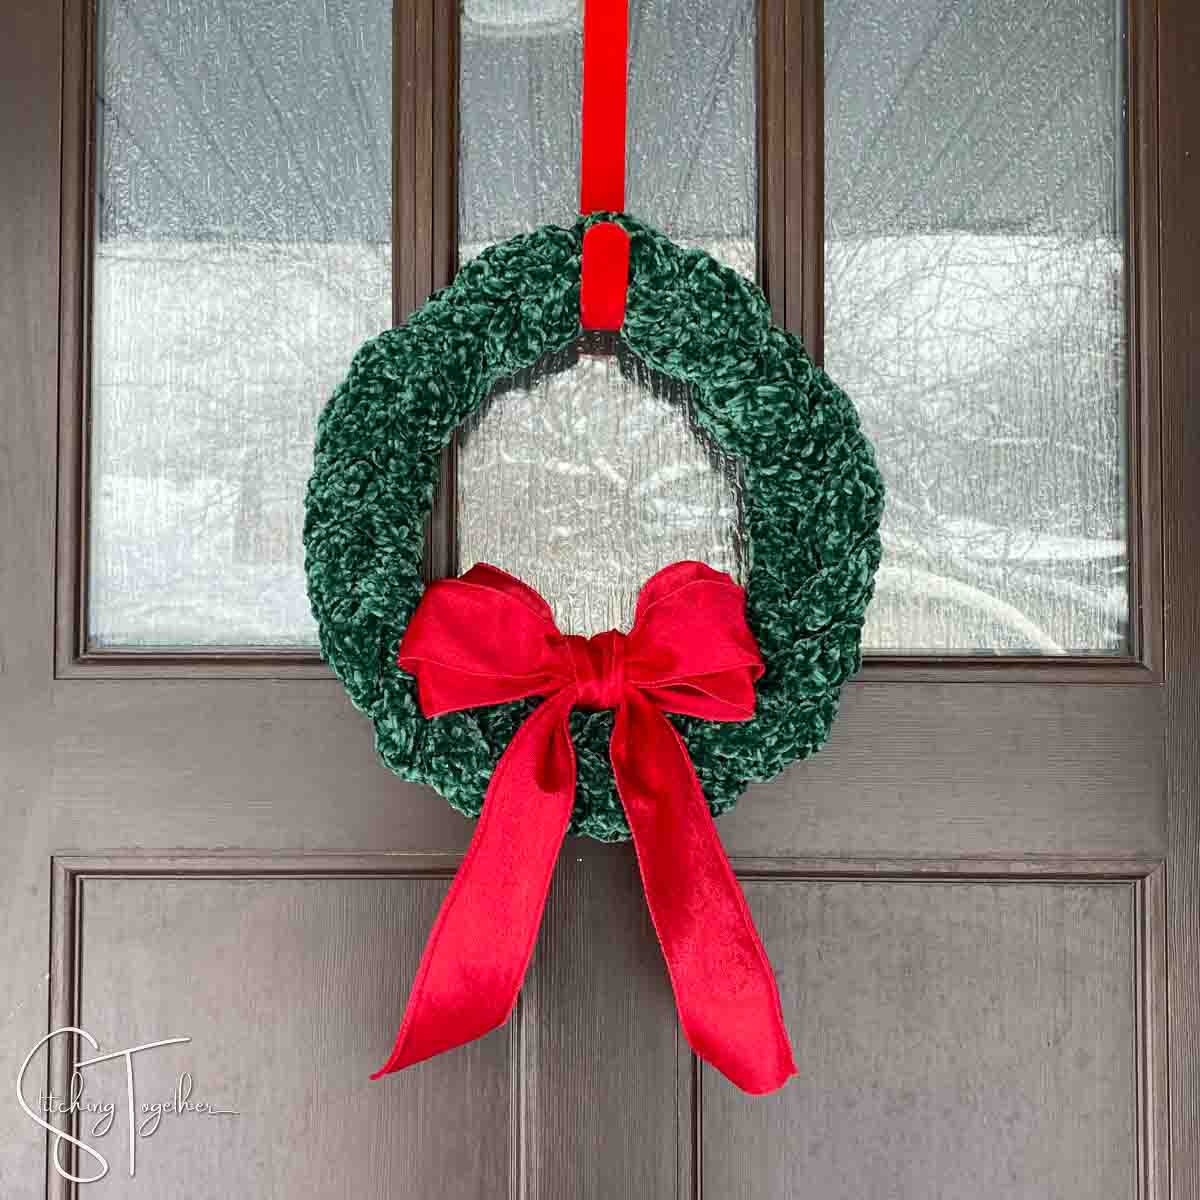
711	676
485	638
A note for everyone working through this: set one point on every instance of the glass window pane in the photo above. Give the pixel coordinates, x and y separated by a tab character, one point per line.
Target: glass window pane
976	311
586	475
242	255
690	148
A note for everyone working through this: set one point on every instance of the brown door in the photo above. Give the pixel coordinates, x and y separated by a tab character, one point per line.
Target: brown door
981	899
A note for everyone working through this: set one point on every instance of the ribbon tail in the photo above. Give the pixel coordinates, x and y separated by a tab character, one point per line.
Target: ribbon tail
724	987
479	950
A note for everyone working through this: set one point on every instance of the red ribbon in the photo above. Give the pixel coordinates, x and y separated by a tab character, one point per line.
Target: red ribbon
486	639
602	134
604	271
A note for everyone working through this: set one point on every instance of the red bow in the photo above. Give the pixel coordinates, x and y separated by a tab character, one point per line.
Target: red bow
486	639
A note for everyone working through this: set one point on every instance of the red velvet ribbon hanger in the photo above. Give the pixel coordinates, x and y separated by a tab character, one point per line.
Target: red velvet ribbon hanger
604	277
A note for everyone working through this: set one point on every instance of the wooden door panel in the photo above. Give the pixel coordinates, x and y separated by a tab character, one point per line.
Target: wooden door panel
602	1065
967	770
290	988
290	973
251	763
953	1038
964	769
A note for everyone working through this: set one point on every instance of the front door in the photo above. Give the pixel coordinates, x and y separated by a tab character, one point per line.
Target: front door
981	898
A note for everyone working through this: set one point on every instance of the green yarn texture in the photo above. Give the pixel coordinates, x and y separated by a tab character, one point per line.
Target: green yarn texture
813	499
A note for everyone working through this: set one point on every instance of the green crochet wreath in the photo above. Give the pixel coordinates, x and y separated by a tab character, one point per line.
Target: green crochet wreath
812	504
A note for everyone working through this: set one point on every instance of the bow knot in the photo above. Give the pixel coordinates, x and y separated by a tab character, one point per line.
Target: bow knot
486	639
599	666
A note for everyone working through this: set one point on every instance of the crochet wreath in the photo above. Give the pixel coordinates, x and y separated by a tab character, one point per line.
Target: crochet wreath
813	499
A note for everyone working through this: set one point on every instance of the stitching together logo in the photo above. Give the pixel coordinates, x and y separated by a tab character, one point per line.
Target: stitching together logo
73	1103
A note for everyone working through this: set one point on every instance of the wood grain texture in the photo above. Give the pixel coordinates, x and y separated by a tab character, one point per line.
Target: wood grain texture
76	250
441	546
601	1054
916	769
441	543
958	1039
30	40
261	765
421	164
291	991
965	770
1179	198
778	102
1153	1043
405	68
805	52
1144	408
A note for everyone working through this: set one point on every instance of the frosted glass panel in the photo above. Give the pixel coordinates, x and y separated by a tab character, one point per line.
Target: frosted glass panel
586	475
243	253
975	309
690	149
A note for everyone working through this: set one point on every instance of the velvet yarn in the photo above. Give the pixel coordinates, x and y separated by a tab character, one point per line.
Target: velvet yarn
813	499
